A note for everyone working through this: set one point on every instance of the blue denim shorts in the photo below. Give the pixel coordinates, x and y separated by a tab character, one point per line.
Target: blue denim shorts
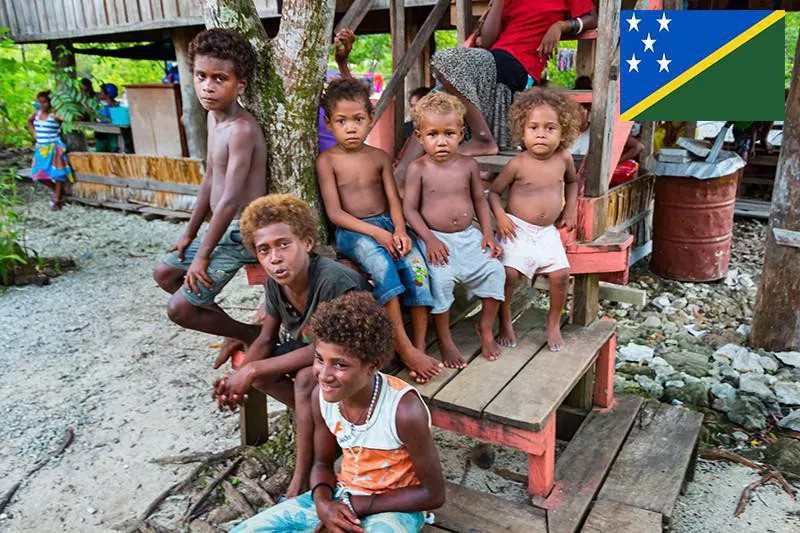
227	258
406	277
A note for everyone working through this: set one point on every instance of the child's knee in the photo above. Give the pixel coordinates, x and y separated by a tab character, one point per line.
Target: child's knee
560	278
304	382
166	277
512	275
179	310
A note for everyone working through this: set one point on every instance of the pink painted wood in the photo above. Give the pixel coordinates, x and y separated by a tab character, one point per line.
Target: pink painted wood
604	373
531	442
542	468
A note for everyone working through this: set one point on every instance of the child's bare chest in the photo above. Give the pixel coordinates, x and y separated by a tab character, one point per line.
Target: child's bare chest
445	186
540	175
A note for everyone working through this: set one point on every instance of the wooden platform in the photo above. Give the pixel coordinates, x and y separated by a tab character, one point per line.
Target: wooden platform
621	473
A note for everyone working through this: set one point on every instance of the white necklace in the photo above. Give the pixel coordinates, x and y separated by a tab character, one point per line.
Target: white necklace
353	427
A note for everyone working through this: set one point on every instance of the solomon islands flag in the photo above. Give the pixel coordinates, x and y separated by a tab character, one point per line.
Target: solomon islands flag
702	65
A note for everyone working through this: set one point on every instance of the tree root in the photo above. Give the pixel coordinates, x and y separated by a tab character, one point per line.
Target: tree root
748	490
198	457
191	512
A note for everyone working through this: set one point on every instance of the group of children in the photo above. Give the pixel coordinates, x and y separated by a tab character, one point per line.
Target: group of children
337	336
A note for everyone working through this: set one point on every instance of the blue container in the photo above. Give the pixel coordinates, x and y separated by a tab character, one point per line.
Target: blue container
120	116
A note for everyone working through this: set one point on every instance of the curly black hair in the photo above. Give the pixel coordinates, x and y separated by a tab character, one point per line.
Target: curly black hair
358	323
276	209
565	108
345	89
43	94
225	44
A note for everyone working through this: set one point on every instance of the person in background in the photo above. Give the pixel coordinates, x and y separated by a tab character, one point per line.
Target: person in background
50	163
408	125
106	142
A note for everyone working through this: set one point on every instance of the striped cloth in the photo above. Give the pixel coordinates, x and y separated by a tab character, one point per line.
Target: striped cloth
46	130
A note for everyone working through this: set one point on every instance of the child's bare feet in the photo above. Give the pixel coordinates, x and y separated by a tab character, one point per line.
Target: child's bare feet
506	336
229	347
554	340
451	355
490	350
297	486
422	367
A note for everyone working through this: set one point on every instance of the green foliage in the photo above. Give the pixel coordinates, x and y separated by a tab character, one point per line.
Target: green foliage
556	77
11	251
69	103
792	33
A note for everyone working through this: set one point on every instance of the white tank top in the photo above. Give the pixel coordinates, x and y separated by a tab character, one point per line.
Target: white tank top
374	458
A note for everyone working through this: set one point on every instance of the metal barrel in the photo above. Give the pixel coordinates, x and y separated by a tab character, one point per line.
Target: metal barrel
692	227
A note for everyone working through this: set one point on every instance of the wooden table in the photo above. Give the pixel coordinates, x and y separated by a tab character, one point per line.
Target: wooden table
104	127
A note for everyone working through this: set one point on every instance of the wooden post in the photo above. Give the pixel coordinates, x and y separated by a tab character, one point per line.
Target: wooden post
397	17
194	116
75	140
776	319
463	19
599	158
253	423
584	58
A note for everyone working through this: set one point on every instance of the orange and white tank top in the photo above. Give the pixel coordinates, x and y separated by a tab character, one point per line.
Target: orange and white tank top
374	458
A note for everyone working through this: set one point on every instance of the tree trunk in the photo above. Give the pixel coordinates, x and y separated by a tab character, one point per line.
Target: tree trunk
284	94
776	320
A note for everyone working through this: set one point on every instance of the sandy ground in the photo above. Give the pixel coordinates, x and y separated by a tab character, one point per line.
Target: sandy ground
94	351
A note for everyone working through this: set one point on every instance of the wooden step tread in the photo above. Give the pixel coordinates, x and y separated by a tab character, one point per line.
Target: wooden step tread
529	400
608	517
467	510
652	466
581	468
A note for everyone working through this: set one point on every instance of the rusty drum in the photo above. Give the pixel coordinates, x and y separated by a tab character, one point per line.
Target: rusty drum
692	227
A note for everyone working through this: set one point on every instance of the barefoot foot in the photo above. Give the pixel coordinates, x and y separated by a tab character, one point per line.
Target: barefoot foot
506	336
451	357
421	366
554	340
229	347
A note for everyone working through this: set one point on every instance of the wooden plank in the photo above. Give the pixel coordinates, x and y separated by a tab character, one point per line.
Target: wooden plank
145	10
253	420
752	209
471	511
581	468
354	15
785	237
421	39
540	387
397	21
102	127
477	385
463	19
102	13
139	183
614	517
586	299
650	469
171	213
132	12
582	393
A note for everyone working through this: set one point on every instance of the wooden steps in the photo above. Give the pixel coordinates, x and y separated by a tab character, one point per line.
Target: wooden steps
613	517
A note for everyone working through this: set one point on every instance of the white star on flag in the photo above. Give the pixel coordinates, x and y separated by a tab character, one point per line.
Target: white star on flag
663	63
663	22
633	63
648	43
634	22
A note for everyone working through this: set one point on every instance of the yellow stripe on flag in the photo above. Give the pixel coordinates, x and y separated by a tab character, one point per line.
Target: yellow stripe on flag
702	65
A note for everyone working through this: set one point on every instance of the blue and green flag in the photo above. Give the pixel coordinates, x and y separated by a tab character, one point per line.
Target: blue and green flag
702	65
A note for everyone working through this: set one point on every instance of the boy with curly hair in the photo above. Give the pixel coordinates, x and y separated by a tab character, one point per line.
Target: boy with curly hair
443	193
196	268
390	471
361	199
281	230
546	122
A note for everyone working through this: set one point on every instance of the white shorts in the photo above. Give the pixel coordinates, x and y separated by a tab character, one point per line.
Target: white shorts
536	250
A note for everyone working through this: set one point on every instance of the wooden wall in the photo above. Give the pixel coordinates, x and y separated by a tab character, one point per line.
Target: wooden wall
40	20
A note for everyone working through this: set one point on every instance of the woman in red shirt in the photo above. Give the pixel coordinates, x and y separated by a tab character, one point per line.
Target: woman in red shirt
513	45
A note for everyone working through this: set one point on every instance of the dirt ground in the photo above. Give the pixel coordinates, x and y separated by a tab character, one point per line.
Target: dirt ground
94	351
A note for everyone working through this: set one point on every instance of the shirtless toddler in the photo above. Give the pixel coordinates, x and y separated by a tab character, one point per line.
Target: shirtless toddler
442	195
361	199
546	123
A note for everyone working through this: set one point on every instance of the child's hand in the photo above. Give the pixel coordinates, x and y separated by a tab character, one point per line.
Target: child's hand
402	242
231	389
386	239
343	44
438	252
197	274
506	229
566	219
181	246
549	41
336	517
494	249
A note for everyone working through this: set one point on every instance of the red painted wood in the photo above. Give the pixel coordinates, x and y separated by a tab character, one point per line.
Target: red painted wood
541	468
620	278
255	274
604	373
597	262
586	207
534	443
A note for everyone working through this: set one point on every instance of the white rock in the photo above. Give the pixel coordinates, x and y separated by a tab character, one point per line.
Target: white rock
789	358
743	330
650	387
652	322
669	310
745	280
741	436
635	353
729	351
791	421
747	362
788	392
657	361
723	390
769	363
91	510
675	383
691	328
661	302
680	303
756	384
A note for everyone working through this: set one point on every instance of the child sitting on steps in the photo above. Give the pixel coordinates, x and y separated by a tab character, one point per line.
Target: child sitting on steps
361	199
443	193
390	471
546	123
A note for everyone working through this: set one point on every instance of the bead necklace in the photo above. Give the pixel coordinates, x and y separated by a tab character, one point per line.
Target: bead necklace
375	388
